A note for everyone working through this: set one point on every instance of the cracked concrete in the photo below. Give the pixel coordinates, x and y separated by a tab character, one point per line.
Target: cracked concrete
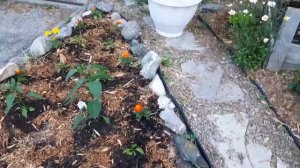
241	132
16	29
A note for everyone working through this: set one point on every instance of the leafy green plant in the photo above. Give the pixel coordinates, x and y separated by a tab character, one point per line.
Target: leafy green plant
97	14
16	96
109	44
56	43
79	40
81	26
255	28
133	150
144	114
295	86
91	75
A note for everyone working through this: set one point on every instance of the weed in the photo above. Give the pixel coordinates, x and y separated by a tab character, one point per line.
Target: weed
97	14
109	44
166	62
140	112
133	150
192	137
79	40
295	86
16	96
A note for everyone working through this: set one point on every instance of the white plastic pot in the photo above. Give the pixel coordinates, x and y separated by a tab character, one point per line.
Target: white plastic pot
172	16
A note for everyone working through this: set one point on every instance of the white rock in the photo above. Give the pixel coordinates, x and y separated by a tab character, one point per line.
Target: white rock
165	103
40	46
150	63
157	86
86	13
131	30
115	16
8	71
81	105
75	21
172	121
64	32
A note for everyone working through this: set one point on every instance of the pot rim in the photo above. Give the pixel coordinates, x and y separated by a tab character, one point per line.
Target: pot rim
177	3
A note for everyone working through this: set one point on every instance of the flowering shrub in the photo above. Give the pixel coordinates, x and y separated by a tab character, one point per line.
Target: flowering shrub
126	59
255	26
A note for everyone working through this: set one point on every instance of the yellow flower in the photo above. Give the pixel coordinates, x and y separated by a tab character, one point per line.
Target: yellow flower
47	33
55	30
286	18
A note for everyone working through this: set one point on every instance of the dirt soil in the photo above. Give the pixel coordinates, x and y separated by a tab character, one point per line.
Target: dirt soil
285	101
46	137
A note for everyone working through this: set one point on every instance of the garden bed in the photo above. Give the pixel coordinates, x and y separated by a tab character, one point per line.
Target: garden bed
46	138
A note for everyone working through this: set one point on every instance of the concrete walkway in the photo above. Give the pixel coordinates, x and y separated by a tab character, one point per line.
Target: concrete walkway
21	23
225	110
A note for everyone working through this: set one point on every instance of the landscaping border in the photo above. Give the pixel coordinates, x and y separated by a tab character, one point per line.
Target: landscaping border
254	82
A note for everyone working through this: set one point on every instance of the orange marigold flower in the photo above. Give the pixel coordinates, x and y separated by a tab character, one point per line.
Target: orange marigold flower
18	71
125	54
138	108
118	22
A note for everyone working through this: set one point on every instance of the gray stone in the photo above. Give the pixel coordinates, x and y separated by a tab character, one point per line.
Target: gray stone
65	31
157	86
19	60
172	121
8	71
211	7
184	42
189	152
115	16
150	63
75	21
131	30
206	78
138	49
103	6
40	46
165	103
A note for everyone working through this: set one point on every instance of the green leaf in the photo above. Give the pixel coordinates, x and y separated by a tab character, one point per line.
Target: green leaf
106	119
128	152
94	108
70	74
78	120
31	109
24	112
292	86
140	150
34	95
95	88
70	96
9	99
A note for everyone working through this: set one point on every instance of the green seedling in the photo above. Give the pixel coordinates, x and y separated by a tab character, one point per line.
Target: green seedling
79	40
295	86
15	96
133	150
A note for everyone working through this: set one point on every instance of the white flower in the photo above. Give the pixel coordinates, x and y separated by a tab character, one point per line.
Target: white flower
286	18
245	11
241	2
271	4
250	14
81	105
266	40
229	5
253	1
232	12
265	18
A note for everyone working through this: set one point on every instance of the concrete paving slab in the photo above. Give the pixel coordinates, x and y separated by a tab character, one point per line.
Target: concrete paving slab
22	23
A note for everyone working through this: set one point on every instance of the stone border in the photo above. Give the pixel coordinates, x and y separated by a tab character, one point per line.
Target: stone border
150	61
